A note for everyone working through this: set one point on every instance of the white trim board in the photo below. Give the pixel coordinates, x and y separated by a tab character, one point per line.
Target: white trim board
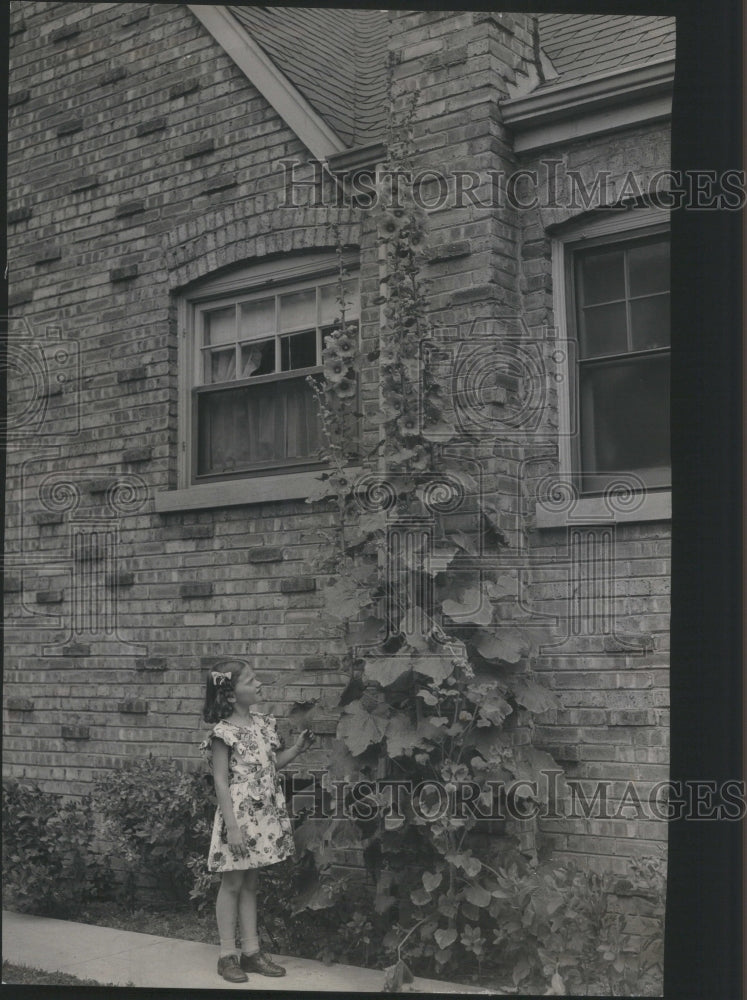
275	87
603	103
231	493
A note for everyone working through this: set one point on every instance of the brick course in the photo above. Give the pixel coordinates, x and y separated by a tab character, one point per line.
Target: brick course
161	171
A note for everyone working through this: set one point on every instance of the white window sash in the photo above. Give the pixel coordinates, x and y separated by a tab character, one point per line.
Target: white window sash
608	228
250	284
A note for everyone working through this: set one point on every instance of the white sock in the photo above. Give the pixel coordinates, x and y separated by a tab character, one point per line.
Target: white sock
227	947
250	945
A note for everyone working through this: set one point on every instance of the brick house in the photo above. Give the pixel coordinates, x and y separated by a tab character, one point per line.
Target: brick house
171	231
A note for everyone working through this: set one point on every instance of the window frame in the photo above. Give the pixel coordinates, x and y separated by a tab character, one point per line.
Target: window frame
255	485
612	228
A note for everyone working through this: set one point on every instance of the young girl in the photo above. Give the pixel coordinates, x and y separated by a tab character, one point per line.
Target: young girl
252	828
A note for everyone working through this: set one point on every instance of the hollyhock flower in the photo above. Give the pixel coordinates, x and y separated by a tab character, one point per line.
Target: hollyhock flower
389	224
408	424
330	352
335	370
346	388
345	346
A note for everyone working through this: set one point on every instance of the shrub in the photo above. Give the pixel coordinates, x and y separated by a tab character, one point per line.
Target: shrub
48	865
157	819
554	924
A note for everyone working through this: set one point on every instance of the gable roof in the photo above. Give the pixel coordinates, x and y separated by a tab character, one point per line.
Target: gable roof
582	45
337	57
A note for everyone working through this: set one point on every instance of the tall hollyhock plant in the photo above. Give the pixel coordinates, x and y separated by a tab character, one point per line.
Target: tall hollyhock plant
441	695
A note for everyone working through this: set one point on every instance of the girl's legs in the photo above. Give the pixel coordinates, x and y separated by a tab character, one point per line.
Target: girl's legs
248	913
227	909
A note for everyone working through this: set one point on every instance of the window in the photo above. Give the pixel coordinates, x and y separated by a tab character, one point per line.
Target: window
252	341
617	308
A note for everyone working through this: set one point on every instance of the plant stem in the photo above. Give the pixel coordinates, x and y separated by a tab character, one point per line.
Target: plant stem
399	946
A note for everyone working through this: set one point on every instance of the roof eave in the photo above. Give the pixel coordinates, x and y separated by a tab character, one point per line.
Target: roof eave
593	93
275	87
360	158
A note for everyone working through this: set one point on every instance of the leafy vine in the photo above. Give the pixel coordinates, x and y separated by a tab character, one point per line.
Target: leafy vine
440	694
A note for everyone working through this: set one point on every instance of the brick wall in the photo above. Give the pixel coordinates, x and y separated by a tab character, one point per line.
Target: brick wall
142	160
614	726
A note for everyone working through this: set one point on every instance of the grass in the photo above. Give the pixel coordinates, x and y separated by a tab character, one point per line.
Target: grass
184	925
22	975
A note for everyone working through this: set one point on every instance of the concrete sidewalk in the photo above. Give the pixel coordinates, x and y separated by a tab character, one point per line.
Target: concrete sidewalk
127	958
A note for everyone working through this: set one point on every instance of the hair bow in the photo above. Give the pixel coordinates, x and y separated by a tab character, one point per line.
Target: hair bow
218	678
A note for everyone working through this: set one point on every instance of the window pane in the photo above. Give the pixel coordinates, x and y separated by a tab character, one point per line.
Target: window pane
256	318
298	350
602	277
303	435
649	319
330	305
604	330
220	326
298	309
258	358
648	268
266	424
220	365
625	416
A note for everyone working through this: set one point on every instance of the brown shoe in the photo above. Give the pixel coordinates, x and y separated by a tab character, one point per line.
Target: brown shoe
229	968
262	964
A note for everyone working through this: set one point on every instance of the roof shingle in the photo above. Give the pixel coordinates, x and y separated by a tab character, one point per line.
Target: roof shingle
337	58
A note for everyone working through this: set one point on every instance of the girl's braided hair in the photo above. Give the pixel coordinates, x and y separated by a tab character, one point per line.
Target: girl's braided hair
219	686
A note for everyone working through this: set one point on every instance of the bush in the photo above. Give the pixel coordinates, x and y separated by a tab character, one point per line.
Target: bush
48	864
554	924
158	820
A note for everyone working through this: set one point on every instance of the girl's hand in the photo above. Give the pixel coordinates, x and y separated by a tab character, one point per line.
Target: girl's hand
235	840
304	740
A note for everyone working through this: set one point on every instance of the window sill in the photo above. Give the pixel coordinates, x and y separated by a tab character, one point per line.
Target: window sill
264	489
598	510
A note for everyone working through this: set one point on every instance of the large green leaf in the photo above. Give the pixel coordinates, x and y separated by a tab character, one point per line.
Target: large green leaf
470	606
502	645
505	586
476	895
533	695
495	708
438	668
344	599
358	728
445	937
402	735
340	764
385	670
318	897
367	632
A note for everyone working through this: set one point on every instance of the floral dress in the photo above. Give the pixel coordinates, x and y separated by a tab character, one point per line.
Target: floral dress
257	796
